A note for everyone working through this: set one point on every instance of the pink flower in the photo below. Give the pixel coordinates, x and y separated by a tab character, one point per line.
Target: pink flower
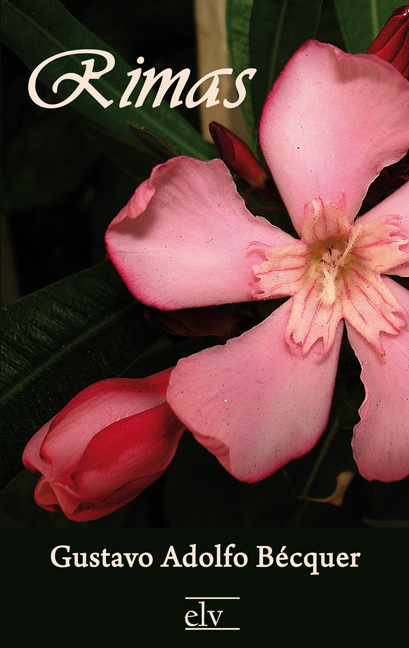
330	124
106	446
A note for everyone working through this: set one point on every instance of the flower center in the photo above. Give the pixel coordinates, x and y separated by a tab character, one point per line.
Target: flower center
330	260
335	272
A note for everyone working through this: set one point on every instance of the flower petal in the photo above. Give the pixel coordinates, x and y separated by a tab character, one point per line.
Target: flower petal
88	420
395	204
109	443
182	240
380	244
256	403
117	465
32	458
330	124
311	321
45	496
51	450
141	444
282	271
381	439
371	307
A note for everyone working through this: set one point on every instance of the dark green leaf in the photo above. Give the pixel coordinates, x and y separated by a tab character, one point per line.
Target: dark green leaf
132	161
238	13
46	160
154	142
39	30
59	340
361	21
277	29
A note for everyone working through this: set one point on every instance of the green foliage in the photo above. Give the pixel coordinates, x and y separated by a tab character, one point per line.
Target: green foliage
50	30
264	34
361	20
128	159
155	143
37	174
59	340
238	14
277	29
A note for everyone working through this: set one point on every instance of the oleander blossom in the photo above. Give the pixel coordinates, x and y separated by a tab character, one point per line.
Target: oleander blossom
330	124
110	442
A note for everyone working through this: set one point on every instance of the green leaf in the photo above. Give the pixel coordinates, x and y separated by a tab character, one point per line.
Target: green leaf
238	14
59	340
277	29
37	174
129	159
361	21
39	30
154	142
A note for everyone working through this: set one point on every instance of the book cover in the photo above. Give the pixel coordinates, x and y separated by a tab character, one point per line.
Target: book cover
205	302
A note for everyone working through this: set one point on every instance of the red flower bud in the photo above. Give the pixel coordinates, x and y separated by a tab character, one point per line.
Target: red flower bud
240	159
392	42
105	447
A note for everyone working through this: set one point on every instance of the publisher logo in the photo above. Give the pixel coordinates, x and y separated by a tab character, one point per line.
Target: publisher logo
208	613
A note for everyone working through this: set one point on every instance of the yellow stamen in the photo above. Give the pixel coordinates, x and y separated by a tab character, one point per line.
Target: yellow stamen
329	267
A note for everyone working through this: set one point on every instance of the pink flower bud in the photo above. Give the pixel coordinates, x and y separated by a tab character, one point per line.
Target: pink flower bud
240	159
106	446
392	42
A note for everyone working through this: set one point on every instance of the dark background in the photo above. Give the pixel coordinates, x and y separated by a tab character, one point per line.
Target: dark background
59	190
